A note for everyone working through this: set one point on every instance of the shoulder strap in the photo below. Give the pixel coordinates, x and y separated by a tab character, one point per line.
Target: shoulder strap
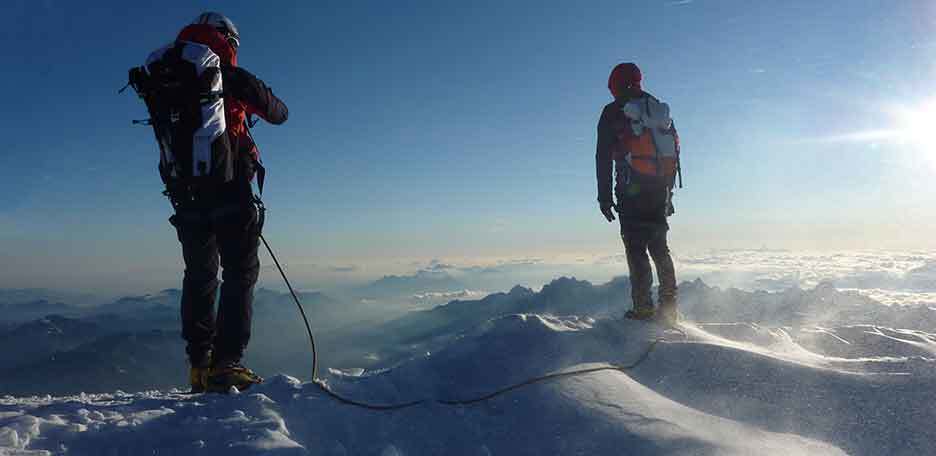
259	169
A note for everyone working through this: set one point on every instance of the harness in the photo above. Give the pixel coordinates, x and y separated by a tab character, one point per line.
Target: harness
190	208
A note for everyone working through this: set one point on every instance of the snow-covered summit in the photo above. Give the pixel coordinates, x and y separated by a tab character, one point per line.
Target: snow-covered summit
733	389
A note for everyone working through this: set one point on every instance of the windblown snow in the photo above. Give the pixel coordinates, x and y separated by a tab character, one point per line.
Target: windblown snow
726	389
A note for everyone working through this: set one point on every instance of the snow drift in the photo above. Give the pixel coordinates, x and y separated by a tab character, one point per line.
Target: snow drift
726	389
812	377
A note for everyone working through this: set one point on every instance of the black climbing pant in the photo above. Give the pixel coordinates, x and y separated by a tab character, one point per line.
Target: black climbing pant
640	238
229	238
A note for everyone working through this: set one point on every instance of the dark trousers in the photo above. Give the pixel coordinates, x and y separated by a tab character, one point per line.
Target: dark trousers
640	238
228	238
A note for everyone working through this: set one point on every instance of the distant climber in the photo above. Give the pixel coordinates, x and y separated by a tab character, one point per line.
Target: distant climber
199	103
638	139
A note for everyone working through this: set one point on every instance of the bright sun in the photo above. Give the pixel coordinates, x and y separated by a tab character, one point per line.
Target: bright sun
916	126
914	129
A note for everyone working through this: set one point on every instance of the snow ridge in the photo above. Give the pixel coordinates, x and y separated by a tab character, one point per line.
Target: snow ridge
596	413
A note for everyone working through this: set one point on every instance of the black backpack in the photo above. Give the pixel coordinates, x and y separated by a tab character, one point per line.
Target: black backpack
182	87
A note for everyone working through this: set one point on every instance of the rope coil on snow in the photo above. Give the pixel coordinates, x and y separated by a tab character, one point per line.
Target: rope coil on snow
456	402
620	368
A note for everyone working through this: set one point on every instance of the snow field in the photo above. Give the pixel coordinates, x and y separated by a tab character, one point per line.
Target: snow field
666	405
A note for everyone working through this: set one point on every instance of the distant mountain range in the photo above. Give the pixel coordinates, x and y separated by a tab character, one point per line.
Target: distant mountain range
41	338
134	343
20	311
408	285
426	331
797	307
18	305
168	298
124	361
24	295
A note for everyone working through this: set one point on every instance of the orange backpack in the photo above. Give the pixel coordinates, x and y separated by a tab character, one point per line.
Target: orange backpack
647	140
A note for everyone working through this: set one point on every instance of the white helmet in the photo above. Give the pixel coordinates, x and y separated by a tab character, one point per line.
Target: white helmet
222	24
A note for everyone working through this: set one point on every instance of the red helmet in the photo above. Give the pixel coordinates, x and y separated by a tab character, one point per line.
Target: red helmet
222	24
623	77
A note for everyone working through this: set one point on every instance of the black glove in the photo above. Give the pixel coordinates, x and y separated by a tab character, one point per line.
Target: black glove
606	210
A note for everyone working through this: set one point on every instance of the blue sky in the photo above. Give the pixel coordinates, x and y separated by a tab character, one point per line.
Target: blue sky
465	130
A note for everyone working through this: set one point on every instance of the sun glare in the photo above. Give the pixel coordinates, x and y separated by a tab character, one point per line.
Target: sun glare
914	129
915	126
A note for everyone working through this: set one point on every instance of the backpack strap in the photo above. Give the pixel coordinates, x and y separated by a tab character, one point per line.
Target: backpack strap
656	149
678	163
261	174
259	169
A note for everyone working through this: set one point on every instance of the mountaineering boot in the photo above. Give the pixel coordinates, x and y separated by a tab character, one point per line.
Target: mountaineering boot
667	315
198	377
198	373
640	313
222	377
